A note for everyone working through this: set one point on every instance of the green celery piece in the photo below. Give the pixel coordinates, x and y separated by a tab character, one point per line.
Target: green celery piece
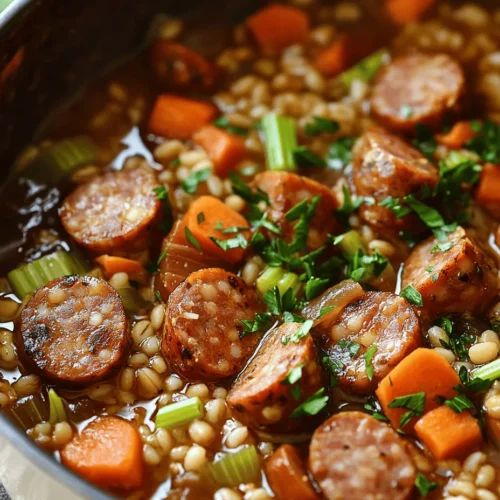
366	69
180	413
490	371
236	468
351	243
281	141
57	411
277	276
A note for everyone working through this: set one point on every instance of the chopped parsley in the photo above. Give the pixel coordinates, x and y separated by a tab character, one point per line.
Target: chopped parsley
475	384
315	286
340	153
239	241
200	218
278	304
351	347
223	122
457	342
154	267
191	239
325	310
293	376
320	125
442	247
362	267
334	367
425	141
423	485
373	406
299	334
368	361
290	317
235	229
242	189
412	295
406	111
414	403
487	143
395	204
190	185
312	405
349	206
165	225
259	322
306	158
459	403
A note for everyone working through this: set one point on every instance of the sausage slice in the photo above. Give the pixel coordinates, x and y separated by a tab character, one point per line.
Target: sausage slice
417	88
455	277
385	165
378	318
260	397
353	456
74	331
201	336
285	190
114	212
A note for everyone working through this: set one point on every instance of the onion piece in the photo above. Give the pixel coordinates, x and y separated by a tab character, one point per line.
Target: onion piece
332	302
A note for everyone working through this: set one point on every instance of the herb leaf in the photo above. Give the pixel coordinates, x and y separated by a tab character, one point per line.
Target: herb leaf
423	485
190	185
459	403
340	153
242	189
351	347
413	296
414	403
191	239
259	322
312	405
368	361
299	334
304	157
319	125
223	122
239	241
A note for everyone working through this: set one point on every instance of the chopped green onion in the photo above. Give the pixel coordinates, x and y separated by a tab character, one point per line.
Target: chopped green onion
180	413
236	468
57	411
366	69
277	276
132	301
491	371
55	162
27	278
455	158
281	142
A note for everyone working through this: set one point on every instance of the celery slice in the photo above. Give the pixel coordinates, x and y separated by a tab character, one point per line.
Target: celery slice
180	413
277	276
55	162
57	411
490	371
281	141
366	69
132	300
27	278
351	243
236	468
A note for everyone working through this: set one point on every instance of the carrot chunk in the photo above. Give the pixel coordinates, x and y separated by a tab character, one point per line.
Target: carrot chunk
424	370
335	58
108	452
459	134
287	475
179	118
223	148
112	265
216	218
488	190
278	26
404	11
447	434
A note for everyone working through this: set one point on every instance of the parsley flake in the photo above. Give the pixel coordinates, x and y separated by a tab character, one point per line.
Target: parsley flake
306	158
299	334
414	403
190	185
223	122
312	405
340	153
368	360
412	295
320	125
191	239
459	403
423	485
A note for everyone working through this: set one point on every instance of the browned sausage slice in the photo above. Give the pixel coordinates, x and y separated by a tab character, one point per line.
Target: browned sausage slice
285	190
201	336
417	88
353	456
455	277
74	331
260	397
378	318
113	213
385	165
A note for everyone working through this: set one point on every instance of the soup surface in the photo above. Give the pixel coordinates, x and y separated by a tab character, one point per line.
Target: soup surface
261	260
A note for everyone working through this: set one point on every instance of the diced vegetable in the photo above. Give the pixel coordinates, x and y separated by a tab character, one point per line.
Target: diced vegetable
334	58
351	243
223	148
326	308
281	141
490	371
29	411
132	301
223	232
236	468
108	452
366	69
287	475
404	11
449	435
455	158
488	190
277	276
56	162
179	118
27	278
459	134
57	411
112	265
424	370
278	26
180	413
